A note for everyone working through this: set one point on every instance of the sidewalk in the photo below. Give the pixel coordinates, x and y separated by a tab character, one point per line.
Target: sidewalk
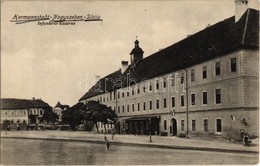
131	140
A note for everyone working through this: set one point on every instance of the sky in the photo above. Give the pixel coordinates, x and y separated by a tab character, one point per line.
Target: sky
59	63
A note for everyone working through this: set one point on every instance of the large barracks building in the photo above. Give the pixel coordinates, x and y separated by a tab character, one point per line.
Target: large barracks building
207	83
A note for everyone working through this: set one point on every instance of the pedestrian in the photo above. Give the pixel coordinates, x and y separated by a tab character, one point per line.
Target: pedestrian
107	144
247	140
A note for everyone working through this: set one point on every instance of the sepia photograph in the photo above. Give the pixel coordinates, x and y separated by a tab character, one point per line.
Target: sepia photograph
129	82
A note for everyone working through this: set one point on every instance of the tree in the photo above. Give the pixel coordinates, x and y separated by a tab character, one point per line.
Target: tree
73	115
49	116
97	112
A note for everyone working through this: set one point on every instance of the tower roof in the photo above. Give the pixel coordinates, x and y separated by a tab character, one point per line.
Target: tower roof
136	49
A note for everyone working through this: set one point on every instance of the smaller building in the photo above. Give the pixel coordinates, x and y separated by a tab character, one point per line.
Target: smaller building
59	108
23	111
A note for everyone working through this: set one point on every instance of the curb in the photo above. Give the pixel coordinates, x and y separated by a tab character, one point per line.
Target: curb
142	145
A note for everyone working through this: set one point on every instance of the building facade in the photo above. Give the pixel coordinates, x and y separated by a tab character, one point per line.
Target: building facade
207	83
22	111
59	108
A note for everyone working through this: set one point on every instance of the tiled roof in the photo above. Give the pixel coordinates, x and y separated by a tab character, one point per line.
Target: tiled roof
9	103
59	105
214	41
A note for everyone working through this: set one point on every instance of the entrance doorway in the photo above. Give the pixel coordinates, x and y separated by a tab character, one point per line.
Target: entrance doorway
174	127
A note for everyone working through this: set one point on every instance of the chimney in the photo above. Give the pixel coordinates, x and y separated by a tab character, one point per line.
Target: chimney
97	78
240	8
124	66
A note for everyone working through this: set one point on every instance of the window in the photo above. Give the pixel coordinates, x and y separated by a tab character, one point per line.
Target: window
118	109
133	92
110	95
204	72
165	125
123	108
182	101
118	95
192	75
138	106
205	124
114	95
151	105
233	65
144	89
164	103
204	98
218	125
138	90
6	113
173	101
123	94
24	121
193	99
41	112
150	86
127	93
164	83
182	78
144	106
193	125
157	84
182	125
173	80
218	96
157	104
133	107
217	68
127	108
100	99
